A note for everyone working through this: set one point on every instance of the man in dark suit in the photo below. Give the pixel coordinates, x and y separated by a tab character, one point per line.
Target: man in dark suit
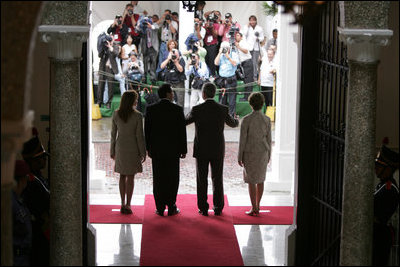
165	133
209	147
107	69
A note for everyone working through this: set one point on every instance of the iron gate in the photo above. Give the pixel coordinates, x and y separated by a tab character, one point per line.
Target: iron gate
329	134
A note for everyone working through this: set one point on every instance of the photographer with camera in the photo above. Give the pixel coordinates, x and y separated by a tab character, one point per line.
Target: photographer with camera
246	62
199	9
150	44
169	30
130	19
108	67
199	30
126	50
254	35
135	74
174	68
226	28
200	72
118	30
227	60
211	41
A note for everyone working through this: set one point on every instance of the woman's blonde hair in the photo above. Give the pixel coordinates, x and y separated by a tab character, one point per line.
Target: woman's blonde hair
172	41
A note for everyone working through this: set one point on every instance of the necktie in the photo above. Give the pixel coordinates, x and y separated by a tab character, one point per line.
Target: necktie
149	38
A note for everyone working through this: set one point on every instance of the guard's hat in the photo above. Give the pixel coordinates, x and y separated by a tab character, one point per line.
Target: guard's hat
33	148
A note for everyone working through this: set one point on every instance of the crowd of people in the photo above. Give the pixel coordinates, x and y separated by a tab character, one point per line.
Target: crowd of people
219	50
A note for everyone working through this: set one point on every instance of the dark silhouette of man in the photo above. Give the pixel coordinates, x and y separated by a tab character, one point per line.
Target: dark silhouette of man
209	147
165	133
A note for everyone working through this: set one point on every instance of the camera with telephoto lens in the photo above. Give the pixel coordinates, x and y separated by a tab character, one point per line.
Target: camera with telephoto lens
119	19
212	17
257	34
173	54
168	17
224	50
130	12
232	32
193	59
134	67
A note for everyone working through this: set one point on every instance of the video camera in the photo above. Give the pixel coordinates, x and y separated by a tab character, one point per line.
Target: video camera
143	24
102	40
232	32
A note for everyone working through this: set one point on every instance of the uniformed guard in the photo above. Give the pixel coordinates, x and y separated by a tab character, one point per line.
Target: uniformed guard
37	198
22	224
386	201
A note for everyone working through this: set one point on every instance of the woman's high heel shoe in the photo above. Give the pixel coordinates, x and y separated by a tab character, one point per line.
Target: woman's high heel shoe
252	213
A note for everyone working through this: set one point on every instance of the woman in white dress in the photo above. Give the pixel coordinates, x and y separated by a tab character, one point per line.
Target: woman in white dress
126	49
255	150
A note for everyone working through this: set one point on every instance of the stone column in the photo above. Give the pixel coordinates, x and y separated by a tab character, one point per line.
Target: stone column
363	30
65	50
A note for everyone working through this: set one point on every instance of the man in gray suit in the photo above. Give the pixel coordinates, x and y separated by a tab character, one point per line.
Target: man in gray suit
149	47
209	147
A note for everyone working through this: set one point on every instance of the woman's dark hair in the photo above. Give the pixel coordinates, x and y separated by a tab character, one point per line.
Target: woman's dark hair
126	38
253	17
126	106
256	100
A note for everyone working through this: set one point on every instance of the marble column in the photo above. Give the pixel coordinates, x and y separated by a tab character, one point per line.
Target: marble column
65	49
363	30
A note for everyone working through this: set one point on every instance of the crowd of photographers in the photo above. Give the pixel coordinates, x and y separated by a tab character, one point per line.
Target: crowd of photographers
219	50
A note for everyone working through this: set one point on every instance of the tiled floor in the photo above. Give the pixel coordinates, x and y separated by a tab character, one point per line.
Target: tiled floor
119	244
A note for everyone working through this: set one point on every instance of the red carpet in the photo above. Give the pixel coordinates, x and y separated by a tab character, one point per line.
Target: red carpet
188	238
112	214
272	215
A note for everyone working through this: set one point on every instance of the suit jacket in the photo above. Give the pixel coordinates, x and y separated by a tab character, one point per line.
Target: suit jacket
210	118
113	56
165	130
